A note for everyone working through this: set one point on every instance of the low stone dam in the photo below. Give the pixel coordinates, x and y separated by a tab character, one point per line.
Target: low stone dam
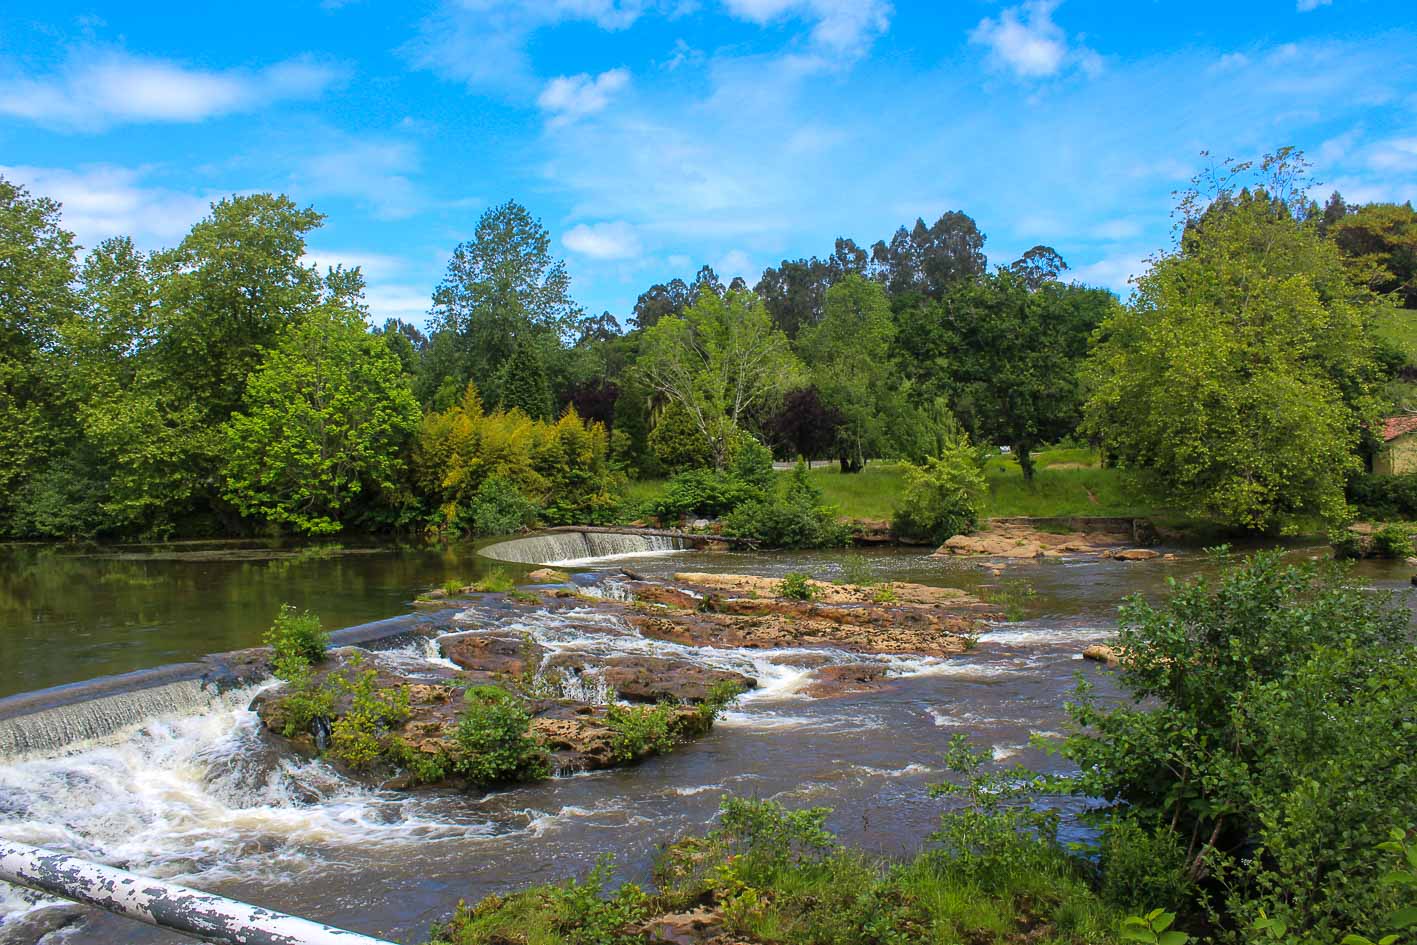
567	547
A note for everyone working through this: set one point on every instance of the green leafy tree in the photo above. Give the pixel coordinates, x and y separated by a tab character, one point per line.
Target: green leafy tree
849	354
36	297
1016	344
1379	242
500	286
1265	732
228	290
1242	375
325	417
717	362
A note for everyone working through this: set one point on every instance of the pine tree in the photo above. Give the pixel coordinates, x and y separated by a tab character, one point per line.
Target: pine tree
524	382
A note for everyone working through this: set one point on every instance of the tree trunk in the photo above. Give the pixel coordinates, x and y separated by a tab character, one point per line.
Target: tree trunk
1025	460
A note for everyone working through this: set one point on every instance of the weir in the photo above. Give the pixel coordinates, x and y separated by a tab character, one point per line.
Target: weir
574	545
49	720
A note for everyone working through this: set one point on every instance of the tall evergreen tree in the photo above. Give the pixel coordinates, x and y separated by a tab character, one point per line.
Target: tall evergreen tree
523	382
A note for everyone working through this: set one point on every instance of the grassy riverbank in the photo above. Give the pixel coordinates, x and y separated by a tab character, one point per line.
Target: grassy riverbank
769	875
1066	482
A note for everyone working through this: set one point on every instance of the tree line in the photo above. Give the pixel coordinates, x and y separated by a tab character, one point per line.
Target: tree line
228	386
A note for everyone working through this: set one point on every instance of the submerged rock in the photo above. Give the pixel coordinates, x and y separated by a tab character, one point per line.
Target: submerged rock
1051	538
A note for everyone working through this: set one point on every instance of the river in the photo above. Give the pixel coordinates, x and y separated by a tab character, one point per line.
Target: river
202	799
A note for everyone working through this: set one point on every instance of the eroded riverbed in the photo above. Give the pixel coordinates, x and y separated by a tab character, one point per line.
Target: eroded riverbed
207	800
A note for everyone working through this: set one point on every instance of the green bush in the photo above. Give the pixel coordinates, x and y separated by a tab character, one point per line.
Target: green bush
499	508
702	492
794	518
797	586
941	498
1269	722
298	641
495	581
1346	544
1392	541
493	740
677	442
1381	497
360	736
641	730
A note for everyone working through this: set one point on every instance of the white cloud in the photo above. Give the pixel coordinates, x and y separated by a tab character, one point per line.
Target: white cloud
96	89
1025	40
1394	155
1305	6
376	173
569	97
102	200
483	42
1114	272
737	263
847	26
611	240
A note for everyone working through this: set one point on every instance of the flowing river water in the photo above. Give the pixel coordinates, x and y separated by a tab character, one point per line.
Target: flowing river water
200	798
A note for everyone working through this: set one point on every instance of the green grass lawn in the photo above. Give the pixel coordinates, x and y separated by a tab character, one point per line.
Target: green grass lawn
1066	482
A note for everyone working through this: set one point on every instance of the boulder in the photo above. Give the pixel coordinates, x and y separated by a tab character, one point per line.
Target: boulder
498	654
846	679
654	679
1102	653
1132	554
990	546
548	576
682	928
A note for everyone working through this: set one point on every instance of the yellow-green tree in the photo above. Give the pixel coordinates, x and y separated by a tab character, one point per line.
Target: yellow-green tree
324	419
1242	374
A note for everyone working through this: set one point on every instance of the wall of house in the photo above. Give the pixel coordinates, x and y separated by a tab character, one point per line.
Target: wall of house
1398	456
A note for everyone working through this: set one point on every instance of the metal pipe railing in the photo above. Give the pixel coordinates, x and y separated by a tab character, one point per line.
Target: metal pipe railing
202	915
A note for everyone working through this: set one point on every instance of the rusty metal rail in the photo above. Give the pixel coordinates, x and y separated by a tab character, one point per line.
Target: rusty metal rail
201	915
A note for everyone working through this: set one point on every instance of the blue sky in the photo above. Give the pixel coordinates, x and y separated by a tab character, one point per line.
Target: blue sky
651	136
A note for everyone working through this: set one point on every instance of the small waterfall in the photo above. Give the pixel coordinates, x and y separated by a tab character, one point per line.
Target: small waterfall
575	548
51	729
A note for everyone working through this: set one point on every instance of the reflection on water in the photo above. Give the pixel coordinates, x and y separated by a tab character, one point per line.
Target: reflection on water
208	800
71	614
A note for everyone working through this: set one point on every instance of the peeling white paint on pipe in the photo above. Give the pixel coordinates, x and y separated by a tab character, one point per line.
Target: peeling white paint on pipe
202	915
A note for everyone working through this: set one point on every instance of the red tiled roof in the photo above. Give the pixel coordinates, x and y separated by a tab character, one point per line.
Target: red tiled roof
1394	427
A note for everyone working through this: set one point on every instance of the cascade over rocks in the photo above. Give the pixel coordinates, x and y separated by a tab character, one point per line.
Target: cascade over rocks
555	694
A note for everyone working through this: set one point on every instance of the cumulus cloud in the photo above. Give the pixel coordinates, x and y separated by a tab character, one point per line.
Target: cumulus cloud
568	97
96	89
1026	40
610	240
1305	6
104	200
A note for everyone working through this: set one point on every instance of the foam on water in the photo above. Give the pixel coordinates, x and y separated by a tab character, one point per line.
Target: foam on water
198	798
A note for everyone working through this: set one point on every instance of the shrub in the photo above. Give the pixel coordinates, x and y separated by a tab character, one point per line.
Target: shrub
749	461
495	581
797	586
702	492
677	442
1269	721
1384	497
794	518
1346	544
640	730
500	508
941	498
360	736
493	740
298	641
1392	541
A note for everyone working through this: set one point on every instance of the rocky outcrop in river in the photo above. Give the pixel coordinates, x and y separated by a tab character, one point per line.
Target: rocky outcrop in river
497	705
